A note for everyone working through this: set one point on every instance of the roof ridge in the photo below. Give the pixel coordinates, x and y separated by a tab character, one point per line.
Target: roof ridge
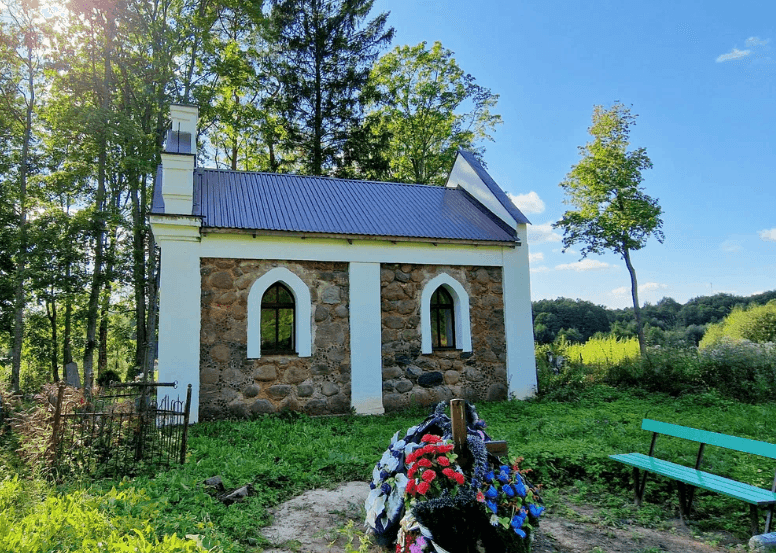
338	179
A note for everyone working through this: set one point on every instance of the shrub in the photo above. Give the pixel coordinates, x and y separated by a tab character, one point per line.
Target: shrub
739	368
757	323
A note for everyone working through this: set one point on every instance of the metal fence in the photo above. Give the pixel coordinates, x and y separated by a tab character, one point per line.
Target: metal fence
124	429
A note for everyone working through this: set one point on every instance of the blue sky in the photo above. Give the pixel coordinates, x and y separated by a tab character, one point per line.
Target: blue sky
701	75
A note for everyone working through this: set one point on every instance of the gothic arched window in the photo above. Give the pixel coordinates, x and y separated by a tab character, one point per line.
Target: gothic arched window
442	319
277	320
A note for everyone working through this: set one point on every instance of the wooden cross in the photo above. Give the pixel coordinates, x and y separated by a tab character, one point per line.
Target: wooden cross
458	417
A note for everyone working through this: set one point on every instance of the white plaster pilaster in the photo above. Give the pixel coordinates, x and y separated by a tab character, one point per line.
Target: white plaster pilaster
179	305
521	361
366	374
178	183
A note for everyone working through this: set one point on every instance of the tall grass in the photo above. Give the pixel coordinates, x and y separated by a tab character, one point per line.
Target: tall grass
602	351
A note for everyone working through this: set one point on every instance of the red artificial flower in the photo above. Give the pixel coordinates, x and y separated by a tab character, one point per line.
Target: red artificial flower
459	478
423	487
410	458
431	439
411	471
449	473
481	497
425	463
445	448
428	476
444	461
411	488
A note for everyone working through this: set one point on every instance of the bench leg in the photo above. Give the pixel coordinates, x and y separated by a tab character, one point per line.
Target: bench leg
754	516
638	485
683	513
768	519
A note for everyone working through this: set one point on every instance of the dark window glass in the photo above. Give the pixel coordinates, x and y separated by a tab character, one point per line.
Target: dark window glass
277	320
442	319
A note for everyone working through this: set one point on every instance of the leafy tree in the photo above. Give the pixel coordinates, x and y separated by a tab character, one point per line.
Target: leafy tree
429	108
323	51
584	317
611	210
756	323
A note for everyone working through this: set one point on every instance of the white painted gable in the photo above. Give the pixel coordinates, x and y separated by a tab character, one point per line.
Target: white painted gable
465	176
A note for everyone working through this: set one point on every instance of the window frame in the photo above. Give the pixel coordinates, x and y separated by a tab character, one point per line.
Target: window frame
435	308
276	306
461	314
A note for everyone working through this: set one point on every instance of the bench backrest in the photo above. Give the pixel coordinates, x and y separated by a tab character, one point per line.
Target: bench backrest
712	438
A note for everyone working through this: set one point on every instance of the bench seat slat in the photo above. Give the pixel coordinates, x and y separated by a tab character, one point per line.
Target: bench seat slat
712	482
764	449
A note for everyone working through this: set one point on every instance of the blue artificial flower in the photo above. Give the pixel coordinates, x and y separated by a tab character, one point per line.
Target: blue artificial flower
534	510
507	489
489	477
372	486
503	477
492	506
504	468
491	493
519	519
383	475
519	532
386	488
519	486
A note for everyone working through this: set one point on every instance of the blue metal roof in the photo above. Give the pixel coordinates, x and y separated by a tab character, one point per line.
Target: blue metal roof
495	188
294	203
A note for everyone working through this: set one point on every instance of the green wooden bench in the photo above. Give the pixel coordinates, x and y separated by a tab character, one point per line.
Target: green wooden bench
690	478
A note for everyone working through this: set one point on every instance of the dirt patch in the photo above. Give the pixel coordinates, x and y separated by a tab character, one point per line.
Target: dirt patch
310	522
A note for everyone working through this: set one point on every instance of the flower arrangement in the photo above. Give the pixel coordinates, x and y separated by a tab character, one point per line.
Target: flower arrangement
421	498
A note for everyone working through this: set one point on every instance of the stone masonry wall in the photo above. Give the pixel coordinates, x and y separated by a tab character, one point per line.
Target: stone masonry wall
231	385
410	377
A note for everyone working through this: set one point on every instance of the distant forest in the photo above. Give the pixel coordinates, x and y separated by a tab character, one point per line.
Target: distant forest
667	322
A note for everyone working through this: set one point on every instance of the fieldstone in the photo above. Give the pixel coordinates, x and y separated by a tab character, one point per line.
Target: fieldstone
403	359
265	373
339	404
289	404
315	407
226	298
220	353
500	374
401	276
251	391
413	371
417	276
221	279
409	333
387	386
261	407
405	307
393	321
208	376
242	282
452	377
389	373
239	312
482	276
763	543
422	396
406	268
321	369
329	334
304	390
394	402
237	409
386	275
496	392
442	393
279	391
341	311
224	263
344	369
331	294
429	380
337	355
466	354
473	375
426	363
321	313
403	385
329	389
394	291
296	375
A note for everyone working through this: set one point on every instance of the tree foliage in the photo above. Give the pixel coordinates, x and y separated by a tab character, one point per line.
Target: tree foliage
429	108
756	323
610	210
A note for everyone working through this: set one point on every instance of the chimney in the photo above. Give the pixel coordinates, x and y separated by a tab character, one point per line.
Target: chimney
178	160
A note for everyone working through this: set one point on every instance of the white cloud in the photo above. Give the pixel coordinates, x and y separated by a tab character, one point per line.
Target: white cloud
735	54
543	233
621	291
769	235
567	252
650	286
541	269
538	256
584	265
528	203
730	246
754	41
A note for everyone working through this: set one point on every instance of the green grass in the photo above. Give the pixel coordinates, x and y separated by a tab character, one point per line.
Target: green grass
566	444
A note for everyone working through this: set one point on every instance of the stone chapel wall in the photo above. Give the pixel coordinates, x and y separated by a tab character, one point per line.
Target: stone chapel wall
410	377
231	385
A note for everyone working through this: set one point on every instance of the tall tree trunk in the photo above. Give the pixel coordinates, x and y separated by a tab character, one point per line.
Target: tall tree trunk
51	313
67	348
21	259
138	272
153	309
99	216
102	352
635	296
